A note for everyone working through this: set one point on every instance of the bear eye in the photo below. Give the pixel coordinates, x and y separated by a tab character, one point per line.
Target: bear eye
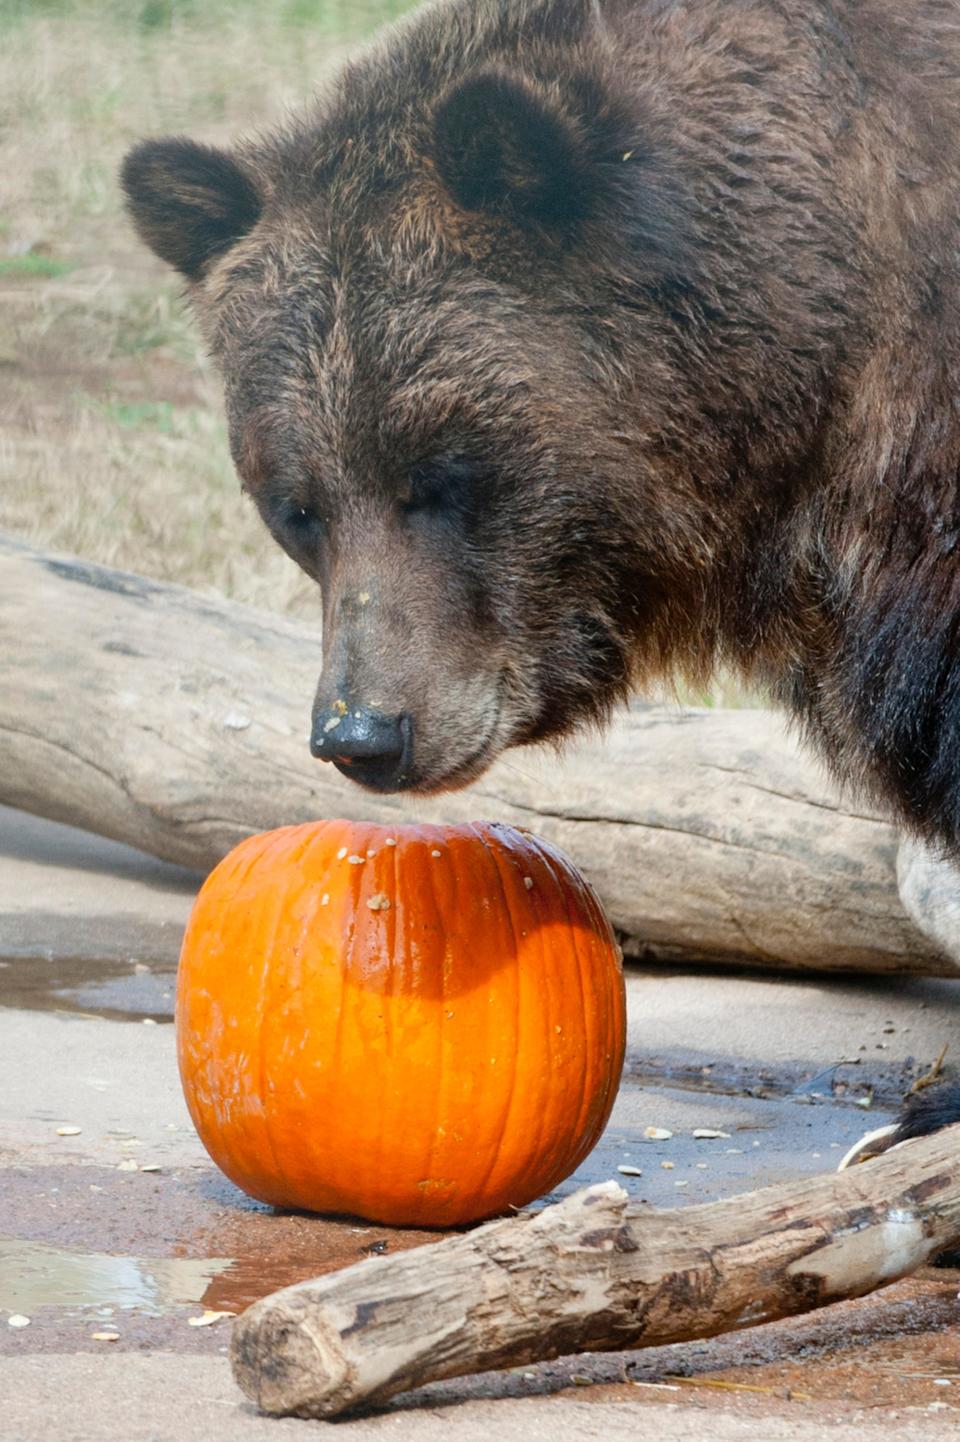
442	484
295	524
303	518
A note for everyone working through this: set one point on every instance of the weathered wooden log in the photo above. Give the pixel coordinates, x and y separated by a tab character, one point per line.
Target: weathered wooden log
178	722
595	1273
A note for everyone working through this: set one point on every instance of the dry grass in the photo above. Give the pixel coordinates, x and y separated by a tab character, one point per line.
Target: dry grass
112	443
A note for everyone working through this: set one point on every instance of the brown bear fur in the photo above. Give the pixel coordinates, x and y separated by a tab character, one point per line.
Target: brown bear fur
569	343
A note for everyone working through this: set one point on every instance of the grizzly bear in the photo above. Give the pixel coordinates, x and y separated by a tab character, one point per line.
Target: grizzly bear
569	344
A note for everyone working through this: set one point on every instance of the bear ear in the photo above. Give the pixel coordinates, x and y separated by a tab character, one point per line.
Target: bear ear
189	202
506	145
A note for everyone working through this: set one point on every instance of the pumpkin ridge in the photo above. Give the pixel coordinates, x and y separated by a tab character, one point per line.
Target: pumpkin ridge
276	912
436	910
503	1130
614	1039
545	1113
589	1040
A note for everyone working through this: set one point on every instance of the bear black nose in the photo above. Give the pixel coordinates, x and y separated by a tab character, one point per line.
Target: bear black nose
365	745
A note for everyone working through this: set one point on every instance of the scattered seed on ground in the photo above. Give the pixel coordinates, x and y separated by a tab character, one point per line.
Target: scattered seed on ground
658	1134
105	1336
630	1171
704	1134
68	1131
17	1319
208	1318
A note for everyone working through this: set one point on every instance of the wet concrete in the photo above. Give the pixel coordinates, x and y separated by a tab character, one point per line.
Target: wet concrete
123	1228
64	893
114	989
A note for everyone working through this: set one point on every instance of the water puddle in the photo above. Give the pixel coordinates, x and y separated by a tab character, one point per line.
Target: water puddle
115	990
840	1082
34	1274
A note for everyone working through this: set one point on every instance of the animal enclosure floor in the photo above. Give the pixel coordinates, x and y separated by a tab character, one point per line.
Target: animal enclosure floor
122	1228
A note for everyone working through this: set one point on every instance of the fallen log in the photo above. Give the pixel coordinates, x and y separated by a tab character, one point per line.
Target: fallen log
178	722
595	1273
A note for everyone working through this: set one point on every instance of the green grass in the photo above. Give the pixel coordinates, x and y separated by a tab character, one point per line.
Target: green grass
154	415
34	265
340	19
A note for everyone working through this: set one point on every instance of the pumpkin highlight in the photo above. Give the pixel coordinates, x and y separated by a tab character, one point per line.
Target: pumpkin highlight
419	1025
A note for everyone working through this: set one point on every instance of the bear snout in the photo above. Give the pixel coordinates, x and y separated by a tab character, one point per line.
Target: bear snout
364	744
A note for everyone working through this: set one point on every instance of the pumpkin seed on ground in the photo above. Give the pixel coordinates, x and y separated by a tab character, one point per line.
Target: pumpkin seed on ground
208	1318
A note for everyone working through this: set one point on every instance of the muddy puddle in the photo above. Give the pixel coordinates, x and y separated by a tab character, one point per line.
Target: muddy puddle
35	1274
76	1241
115	990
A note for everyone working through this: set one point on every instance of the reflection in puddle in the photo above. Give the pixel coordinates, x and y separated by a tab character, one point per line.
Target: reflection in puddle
33	1274
116	990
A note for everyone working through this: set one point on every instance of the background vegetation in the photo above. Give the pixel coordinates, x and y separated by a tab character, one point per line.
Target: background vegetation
112	444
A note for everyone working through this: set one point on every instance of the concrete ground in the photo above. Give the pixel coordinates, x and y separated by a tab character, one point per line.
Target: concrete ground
118	1235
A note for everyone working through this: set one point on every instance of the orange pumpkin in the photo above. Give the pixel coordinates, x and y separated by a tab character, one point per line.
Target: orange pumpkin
420	1025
